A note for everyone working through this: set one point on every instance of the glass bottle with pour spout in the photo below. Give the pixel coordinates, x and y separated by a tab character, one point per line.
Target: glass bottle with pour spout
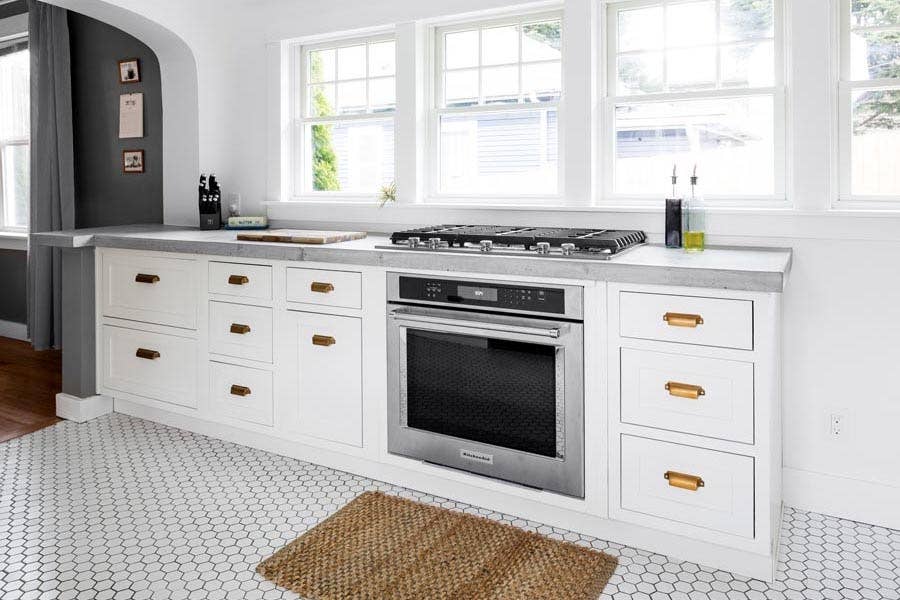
695	219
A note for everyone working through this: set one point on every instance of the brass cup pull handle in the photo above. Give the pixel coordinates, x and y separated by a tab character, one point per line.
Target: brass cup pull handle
323	340
682	319
684	390
238	280
240	390
146	278
684	481
148	354
239	328
321	288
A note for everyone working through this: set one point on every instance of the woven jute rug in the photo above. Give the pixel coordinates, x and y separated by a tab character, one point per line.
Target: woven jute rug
381	546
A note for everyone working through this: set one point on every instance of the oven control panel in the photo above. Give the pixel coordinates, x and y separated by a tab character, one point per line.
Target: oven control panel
484	294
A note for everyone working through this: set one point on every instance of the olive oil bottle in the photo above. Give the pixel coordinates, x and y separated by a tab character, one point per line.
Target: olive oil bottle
695	219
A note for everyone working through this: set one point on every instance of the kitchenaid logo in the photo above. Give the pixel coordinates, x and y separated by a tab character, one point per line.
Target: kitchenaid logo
487	459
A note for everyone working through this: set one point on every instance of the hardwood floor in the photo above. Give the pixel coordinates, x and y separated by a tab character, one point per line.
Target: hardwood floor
29	382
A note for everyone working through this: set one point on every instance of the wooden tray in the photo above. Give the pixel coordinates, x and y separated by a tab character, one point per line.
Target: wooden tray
301	236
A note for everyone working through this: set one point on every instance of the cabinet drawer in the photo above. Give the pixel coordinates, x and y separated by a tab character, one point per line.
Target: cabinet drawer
706	488
328	288
244	281
152	365
241	393
690	394
241	331
330	382
149	289
687	319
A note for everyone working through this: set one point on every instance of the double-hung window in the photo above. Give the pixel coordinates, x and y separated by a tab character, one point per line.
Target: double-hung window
343	105
694	82
870	101
495	120
14	134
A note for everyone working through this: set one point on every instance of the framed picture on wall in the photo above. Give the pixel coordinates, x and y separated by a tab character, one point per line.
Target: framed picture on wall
133	161
129	70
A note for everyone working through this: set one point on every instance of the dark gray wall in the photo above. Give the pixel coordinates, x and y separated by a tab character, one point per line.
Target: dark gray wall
13	8
104	194
12	295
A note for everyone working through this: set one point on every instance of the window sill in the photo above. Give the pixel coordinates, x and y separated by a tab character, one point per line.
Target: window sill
13	240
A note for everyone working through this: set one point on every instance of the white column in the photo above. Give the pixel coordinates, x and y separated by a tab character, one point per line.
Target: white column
578	113
409	133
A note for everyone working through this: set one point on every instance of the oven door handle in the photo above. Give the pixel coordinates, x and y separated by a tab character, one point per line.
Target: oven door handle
549	332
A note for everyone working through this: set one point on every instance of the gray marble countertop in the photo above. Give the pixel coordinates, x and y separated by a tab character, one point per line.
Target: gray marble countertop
747	269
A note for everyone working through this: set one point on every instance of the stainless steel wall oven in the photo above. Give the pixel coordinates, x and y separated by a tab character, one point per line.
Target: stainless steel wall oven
488	377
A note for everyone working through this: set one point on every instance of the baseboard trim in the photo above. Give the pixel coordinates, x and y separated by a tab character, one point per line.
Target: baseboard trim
862	501
80	410
13	330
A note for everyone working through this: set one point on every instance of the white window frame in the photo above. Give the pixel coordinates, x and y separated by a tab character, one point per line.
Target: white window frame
846	87
300	161
607	132
7	142
436	111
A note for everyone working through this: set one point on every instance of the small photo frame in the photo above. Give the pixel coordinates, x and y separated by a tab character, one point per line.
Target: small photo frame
133	161
129	70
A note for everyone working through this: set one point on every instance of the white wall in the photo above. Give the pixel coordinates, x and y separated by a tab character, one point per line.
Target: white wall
842	309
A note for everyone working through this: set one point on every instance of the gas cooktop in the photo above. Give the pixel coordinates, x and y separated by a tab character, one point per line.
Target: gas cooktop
508	240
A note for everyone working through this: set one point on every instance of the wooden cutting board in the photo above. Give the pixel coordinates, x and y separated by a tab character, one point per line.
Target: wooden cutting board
300	236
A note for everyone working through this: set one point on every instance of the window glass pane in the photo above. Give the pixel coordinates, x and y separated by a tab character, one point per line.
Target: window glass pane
541	41
500	84
640	29
874	13
14	94
354	156
15	185
748	65
640	73
499	153
731	141
461	49
874	55
461	88
875	146
382	59
321	66
382	93
691	24
691	68
500	45
321	100
351	97
745	19
541	82
351	62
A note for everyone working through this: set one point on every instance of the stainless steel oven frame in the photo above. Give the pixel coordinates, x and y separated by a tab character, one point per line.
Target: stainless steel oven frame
562	474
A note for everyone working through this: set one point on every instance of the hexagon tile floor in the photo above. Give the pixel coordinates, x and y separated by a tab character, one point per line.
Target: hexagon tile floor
125	508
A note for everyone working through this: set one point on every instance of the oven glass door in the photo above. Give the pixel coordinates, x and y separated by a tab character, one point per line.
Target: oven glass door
500	388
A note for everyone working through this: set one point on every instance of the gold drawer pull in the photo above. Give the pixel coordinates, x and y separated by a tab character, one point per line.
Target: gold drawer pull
240	390
682	320
321	288
145	278
684	481
685	390
323	340
240	329
238	280
148	354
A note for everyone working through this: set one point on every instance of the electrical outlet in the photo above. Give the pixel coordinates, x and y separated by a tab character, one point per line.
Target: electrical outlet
837	425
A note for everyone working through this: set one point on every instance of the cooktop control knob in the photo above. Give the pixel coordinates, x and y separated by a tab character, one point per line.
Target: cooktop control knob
543	248
568	249
413	242
487	245
434	243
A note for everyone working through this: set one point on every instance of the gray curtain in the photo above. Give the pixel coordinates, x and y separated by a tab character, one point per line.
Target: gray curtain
52	166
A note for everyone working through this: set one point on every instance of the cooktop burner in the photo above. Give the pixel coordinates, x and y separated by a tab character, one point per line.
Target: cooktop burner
547	241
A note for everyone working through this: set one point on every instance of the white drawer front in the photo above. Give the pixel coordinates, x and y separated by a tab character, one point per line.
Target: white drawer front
241	393
687	319
723	503
330	377
241	331
702	396
149	289
166	369
244	281
328	288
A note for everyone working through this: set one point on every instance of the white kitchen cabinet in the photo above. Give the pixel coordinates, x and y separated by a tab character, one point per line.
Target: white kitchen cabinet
240	331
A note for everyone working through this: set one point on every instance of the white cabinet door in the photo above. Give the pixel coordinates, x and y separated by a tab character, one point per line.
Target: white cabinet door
241	331
326	352
328	288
